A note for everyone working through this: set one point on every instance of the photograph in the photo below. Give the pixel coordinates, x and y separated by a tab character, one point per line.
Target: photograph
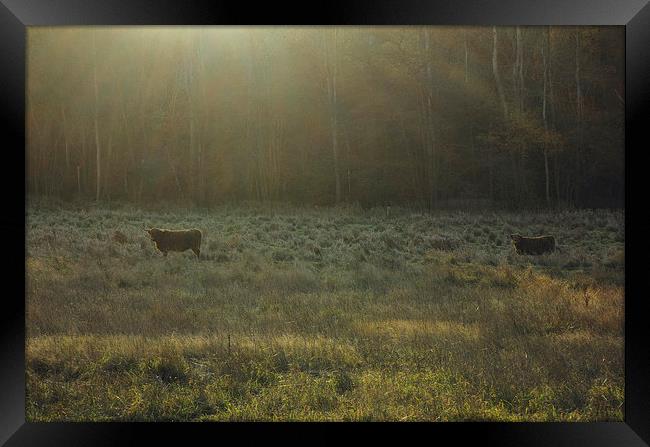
325	223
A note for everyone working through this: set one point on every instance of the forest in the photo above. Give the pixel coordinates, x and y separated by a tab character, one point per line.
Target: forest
431	117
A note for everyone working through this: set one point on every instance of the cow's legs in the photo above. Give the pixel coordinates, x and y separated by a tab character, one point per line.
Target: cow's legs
197	252
164	253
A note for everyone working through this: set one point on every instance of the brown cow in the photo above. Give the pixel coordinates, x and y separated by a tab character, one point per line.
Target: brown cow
176	240
532	245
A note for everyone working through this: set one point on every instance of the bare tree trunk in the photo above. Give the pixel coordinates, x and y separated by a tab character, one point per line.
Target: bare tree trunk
579	112
514	167
504	104
179	190
276	144
201	84
556	173
551	102
191	170
466	58
65	138
520	69
66	175
97	147
107	175
550	77
335	150
495	71
490	175
522	189
332	68
429	124
424	164
200	186
191	123
83	158
127	159
346	136
249	141
545	119
144	135
414	179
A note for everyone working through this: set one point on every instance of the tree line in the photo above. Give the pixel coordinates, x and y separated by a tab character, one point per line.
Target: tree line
435	117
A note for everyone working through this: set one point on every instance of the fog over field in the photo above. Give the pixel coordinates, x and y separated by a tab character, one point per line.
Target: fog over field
355	189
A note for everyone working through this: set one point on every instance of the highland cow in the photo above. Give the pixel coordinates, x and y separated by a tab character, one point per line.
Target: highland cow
176	240
533	245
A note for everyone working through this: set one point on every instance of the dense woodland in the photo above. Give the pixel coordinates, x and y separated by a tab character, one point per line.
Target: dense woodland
518	117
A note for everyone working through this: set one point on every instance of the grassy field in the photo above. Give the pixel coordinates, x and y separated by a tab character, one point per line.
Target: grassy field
323	314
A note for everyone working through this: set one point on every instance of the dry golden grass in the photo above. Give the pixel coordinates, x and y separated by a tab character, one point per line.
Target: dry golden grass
323	315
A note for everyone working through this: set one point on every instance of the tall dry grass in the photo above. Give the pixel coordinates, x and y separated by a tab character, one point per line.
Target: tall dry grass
323	314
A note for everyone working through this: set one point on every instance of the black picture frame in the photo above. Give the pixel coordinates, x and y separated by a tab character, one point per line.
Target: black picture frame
16	15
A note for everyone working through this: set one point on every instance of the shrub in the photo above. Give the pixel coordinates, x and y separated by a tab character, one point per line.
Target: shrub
443	244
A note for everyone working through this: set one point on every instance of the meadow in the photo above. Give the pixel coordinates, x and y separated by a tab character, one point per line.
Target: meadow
304	313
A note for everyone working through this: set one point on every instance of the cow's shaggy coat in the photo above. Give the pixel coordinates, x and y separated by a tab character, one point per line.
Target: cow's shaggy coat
533	245
176	240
